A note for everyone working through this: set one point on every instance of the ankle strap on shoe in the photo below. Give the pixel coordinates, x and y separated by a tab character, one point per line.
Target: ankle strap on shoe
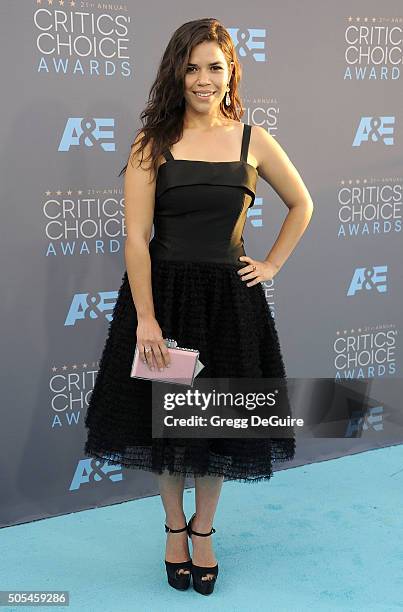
190	530
174	530
202	534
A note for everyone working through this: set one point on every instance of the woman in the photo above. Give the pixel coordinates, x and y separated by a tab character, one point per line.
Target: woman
194	283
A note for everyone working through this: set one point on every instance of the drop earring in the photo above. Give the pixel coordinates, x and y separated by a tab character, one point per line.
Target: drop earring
227	98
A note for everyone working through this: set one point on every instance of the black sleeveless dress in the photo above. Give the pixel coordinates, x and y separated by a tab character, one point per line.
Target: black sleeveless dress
201	301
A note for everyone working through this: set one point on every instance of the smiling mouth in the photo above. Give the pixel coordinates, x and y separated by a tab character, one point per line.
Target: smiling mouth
204	94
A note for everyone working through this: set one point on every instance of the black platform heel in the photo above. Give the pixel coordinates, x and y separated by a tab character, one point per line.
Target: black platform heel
205	587
180	581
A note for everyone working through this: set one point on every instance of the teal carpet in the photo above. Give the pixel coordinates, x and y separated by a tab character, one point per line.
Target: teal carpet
317	538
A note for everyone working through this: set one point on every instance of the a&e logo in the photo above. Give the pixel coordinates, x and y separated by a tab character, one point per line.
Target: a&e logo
95	470
375	129
248	41
82	306
89	132
373	421
368	278
254	213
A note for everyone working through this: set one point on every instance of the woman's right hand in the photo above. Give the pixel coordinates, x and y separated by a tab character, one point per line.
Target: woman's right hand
149	335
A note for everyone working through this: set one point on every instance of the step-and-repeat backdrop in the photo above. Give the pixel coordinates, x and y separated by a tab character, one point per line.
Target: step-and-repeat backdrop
327	83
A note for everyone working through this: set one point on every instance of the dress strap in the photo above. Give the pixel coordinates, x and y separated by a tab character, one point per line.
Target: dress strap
245	142
168	155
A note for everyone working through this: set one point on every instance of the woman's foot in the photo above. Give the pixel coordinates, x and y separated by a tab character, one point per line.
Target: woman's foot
177	547
203	553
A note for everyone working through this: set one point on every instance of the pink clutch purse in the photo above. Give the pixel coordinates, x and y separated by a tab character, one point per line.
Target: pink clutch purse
183	368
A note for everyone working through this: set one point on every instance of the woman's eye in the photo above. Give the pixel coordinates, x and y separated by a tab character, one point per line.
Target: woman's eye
191	68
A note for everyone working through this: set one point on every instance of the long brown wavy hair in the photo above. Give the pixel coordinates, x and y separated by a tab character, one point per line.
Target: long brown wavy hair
162	119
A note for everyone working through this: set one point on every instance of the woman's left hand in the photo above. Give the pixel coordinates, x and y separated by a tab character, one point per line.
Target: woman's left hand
257	270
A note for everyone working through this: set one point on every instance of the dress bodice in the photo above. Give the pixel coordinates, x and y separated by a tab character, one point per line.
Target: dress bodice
201	207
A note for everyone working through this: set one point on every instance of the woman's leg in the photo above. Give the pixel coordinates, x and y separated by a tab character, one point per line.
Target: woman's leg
208	489
171	488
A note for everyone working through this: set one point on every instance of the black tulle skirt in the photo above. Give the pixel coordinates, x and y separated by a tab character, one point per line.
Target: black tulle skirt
202	305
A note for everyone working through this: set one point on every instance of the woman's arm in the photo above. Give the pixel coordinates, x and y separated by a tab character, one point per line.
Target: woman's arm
139	194
275	168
